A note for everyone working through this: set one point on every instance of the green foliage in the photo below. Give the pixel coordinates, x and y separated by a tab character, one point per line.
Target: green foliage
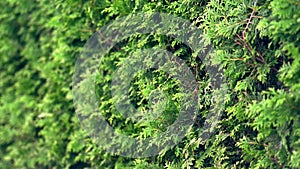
256	42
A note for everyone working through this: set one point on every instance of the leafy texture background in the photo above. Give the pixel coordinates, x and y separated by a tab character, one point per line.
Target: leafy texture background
256	43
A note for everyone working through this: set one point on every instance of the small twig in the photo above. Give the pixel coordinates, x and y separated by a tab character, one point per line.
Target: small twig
237	42
92	3
109	40
242	38
245	43
249	22
242	59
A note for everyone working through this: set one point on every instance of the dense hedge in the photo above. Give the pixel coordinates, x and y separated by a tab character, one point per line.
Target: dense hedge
256	42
